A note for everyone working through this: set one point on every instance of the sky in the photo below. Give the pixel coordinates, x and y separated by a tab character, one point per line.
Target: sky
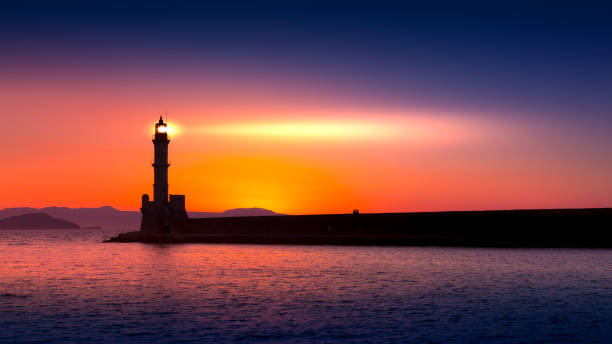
308	107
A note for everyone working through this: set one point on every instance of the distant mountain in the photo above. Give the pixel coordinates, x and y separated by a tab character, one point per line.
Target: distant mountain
105	217
36	221
235	213
109	217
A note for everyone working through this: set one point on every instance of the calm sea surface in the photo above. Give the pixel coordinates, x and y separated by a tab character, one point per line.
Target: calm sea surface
66	286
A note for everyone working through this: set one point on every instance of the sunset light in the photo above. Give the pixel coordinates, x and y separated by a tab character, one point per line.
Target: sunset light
390	128
307	130
306	172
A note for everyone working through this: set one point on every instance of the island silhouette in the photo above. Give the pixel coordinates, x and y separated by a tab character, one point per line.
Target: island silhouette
108	217
165	220
36	221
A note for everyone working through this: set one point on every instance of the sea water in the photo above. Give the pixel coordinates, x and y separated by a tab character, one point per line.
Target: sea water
60	286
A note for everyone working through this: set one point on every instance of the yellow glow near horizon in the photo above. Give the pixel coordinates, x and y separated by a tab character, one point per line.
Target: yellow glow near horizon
305	130
414	129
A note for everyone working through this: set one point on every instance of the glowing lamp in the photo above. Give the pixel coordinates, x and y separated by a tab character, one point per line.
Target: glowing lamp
161	127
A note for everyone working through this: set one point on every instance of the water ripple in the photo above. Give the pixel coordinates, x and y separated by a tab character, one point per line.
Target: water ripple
58	286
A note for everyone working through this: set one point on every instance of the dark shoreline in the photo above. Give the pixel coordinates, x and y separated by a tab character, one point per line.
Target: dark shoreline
588	228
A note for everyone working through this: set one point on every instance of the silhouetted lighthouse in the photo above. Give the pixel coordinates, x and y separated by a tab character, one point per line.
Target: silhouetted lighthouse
160	164
162	215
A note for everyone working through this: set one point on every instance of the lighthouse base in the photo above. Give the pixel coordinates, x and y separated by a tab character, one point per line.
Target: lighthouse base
163	217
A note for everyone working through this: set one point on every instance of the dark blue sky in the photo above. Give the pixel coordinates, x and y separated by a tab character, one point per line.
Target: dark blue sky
551	59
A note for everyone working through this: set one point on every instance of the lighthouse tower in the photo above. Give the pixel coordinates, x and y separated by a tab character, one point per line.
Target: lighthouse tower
162	215
160	164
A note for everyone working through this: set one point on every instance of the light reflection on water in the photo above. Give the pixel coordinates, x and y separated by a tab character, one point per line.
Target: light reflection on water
58	286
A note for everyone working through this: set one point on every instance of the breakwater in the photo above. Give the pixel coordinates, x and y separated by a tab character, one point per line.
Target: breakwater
508	228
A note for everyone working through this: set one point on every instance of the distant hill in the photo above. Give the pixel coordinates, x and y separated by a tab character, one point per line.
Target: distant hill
235	213
105	217
36	221
109	217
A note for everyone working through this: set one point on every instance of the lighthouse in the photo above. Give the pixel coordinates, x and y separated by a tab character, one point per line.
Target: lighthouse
160	163
162	215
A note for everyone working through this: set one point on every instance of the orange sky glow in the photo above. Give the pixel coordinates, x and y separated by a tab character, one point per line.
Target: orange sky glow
80	143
